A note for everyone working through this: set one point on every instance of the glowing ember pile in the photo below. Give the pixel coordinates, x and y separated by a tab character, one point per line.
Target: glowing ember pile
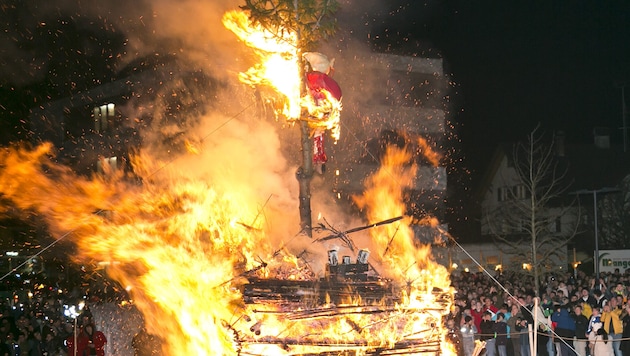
406	320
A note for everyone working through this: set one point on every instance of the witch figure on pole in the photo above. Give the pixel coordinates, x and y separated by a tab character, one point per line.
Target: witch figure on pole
311	21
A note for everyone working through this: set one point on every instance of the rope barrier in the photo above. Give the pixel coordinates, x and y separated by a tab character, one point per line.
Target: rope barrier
523	307
519	333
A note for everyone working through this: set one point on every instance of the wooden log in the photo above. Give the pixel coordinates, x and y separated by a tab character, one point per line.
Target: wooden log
360	228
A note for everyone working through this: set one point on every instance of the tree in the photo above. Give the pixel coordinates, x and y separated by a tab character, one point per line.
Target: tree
533	211
311	21
615	217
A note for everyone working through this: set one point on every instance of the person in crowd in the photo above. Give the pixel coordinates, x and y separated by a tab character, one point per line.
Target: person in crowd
89	342
453	334
563	290
619	291
547	305
602	345
487	333
522	329
456	314
588	298
620	303
507	315
22	343
581	326
489	306
477	313
501	334
593	319
613	327
468	332
36	344
543	340
587	310
594	323
12	343
615	306
625	336
564	329
600	298
515	337
51	343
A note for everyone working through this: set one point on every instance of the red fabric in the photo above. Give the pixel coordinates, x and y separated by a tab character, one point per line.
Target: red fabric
83	341
319	156
318	81
492	309
477	317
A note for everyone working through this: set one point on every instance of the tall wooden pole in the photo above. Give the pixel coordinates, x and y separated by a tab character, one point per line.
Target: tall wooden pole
304	174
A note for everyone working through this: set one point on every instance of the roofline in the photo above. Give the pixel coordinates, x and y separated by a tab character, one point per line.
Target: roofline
493	167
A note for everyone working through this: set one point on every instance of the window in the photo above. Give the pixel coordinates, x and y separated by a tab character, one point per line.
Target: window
555	226
522	224
558	224
103	115
503	194
107	165
506	227
520	192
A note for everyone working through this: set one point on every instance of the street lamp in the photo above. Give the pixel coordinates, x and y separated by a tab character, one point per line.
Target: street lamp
594	192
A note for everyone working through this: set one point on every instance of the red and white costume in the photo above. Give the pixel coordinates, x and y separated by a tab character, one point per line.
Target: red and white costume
326	96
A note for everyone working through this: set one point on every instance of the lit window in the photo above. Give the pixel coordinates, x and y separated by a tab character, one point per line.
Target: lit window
102	116
107	165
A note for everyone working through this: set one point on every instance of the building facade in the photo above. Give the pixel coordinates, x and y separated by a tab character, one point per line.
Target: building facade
397	100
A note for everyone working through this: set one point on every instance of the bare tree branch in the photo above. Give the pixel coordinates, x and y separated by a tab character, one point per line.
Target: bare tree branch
534	212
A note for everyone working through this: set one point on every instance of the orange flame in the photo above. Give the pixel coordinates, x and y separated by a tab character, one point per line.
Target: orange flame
406	259
174	242
278	66
431	155
277	63
324	114
181	248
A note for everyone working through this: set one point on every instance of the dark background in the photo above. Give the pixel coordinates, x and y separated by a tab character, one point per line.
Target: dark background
519	63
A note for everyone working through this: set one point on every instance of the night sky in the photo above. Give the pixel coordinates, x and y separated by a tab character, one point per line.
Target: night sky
519	63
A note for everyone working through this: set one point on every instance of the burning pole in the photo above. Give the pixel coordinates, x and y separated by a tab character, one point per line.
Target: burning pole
304	173
310	21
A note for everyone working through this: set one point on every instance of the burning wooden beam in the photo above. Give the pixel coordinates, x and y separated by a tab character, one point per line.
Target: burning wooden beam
360	228
407	347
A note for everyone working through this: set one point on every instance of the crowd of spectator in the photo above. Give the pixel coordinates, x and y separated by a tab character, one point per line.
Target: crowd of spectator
576	314
39	325
491	315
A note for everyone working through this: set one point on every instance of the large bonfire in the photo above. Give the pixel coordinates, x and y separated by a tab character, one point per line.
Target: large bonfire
201	254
